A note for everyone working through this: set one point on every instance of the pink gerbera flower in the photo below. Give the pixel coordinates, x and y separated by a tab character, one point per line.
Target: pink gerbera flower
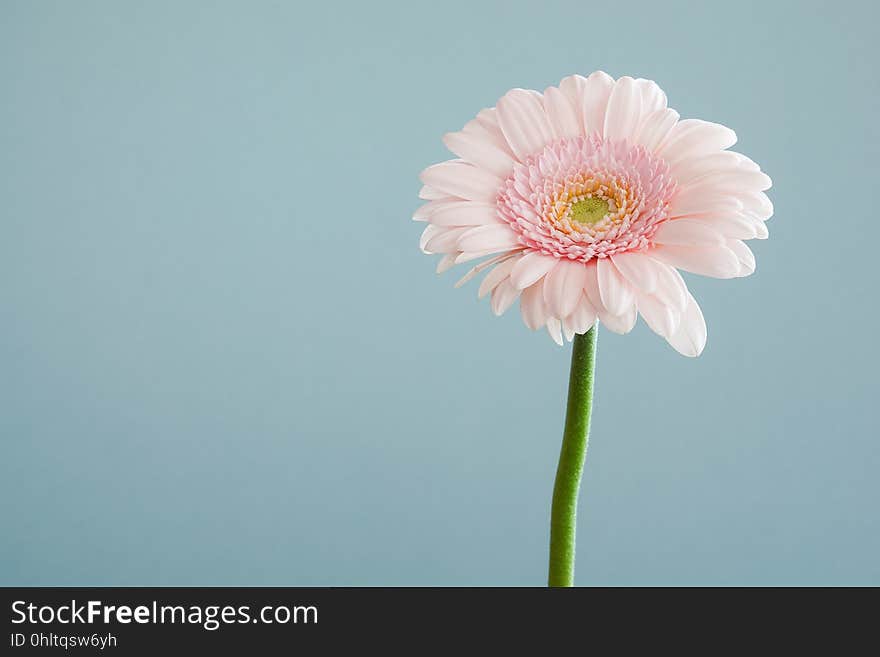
587	199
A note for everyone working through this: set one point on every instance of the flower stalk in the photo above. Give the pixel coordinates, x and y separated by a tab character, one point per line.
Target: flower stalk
563	515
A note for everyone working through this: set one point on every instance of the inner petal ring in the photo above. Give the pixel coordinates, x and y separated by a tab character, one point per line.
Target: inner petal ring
587	197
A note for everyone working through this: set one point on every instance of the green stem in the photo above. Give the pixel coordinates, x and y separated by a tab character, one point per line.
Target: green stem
563	515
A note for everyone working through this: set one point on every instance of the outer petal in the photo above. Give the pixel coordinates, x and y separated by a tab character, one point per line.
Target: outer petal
655	128
428	193
567	329
532	306
486	124
714	261
690	337
687	232
574	88
446	263
761	231
554	328
617	295
563	118
661	318
424	212
735	225
583	317
689	169
596	92
758	204
427	234
531	268
688	202
744	255
480	151
444	240
503	297
591	288
489	238
458	178
499	273
694	138
465	213
733	181
639	269
563	287
467	256
624	110
621	324
671	288
653	97
486	264
524	123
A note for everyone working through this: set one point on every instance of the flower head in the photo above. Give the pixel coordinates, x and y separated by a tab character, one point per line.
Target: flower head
586	200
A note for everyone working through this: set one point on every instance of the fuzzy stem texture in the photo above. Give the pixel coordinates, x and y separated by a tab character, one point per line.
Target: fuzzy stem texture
563	516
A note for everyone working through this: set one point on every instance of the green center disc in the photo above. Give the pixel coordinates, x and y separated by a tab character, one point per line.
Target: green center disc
589	210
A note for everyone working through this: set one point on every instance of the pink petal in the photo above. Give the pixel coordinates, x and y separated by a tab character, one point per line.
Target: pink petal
499	273
494	237
458	178
486	127
591	287
655	128
638	269
524	123
661	318
714	261
694	138
761	232
424	212
690	337
563	287
554	328
758	204
486	264
624	110
445	240
531	305
734	225
653	97
596	92
563	118
466	213
479	151
733	180
574	89
567	329
427	234
688	202
427	193
617	295
466	256
744	255
531	268
621	324
503	297
687	232
446	263
671	288
583	316
690	169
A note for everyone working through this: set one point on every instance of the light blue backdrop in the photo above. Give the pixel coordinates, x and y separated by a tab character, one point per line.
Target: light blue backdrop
223	359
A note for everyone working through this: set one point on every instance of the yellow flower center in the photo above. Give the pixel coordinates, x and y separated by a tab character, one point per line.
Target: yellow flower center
589	210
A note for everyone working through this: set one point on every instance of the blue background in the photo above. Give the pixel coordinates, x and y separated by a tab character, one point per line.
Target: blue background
223	359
